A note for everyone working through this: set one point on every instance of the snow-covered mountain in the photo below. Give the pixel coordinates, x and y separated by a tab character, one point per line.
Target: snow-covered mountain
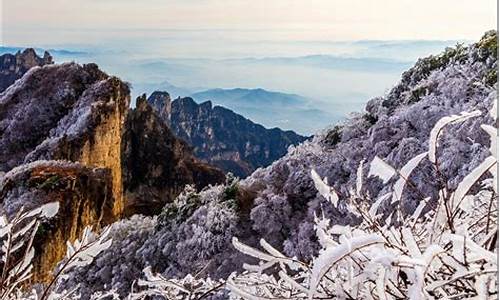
279	203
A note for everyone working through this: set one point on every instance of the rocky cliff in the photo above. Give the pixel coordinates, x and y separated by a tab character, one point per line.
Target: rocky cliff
13	66
221	137
66	133
84	195
156	164
65	112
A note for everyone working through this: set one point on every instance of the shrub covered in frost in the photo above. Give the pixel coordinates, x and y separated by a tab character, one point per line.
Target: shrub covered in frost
395	128
191	236
447	250
17	252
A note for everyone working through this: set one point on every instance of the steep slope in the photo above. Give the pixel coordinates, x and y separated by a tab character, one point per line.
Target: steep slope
394	127
51	116
13	66
66	133
221	137
280	202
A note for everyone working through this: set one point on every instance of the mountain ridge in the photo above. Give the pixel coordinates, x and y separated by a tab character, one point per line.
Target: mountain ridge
220	136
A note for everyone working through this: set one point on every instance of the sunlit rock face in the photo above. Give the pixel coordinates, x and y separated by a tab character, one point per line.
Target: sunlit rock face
60	140
221	137
65	112
85	199
13	66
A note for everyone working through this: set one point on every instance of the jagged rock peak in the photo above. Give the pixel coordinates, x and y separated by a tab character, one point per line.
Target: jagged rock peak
223	138
14	66
163	105
72	113
29	57
156	164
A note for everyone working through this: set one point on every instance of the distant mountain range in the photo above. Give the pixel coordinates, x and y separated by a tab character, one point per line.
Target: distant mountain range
269	108
274	109
249	97
41	51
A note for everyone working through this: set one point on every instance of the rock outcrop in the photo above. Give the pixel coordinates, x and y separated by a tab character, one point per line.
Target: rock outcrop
67	133
156	164
162	105
85	199
65	112
13	66
221	137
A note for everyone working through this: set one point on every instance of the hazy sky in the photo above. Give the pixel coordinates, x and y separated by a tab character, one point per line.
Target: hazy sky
74	21
201	44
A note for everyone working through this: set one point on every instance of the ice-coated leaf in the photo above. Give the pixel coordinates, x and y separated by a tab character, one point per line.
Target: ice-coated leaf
470	244
418	211
259	268
49	210
24	230
381	283
481	287
359	178
331	256
292	282
83	253
158	281
324	189
439	126
3	221
324	238
466	184
404	175
251	251
270	249
410	242
381	169
374	208
25	263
